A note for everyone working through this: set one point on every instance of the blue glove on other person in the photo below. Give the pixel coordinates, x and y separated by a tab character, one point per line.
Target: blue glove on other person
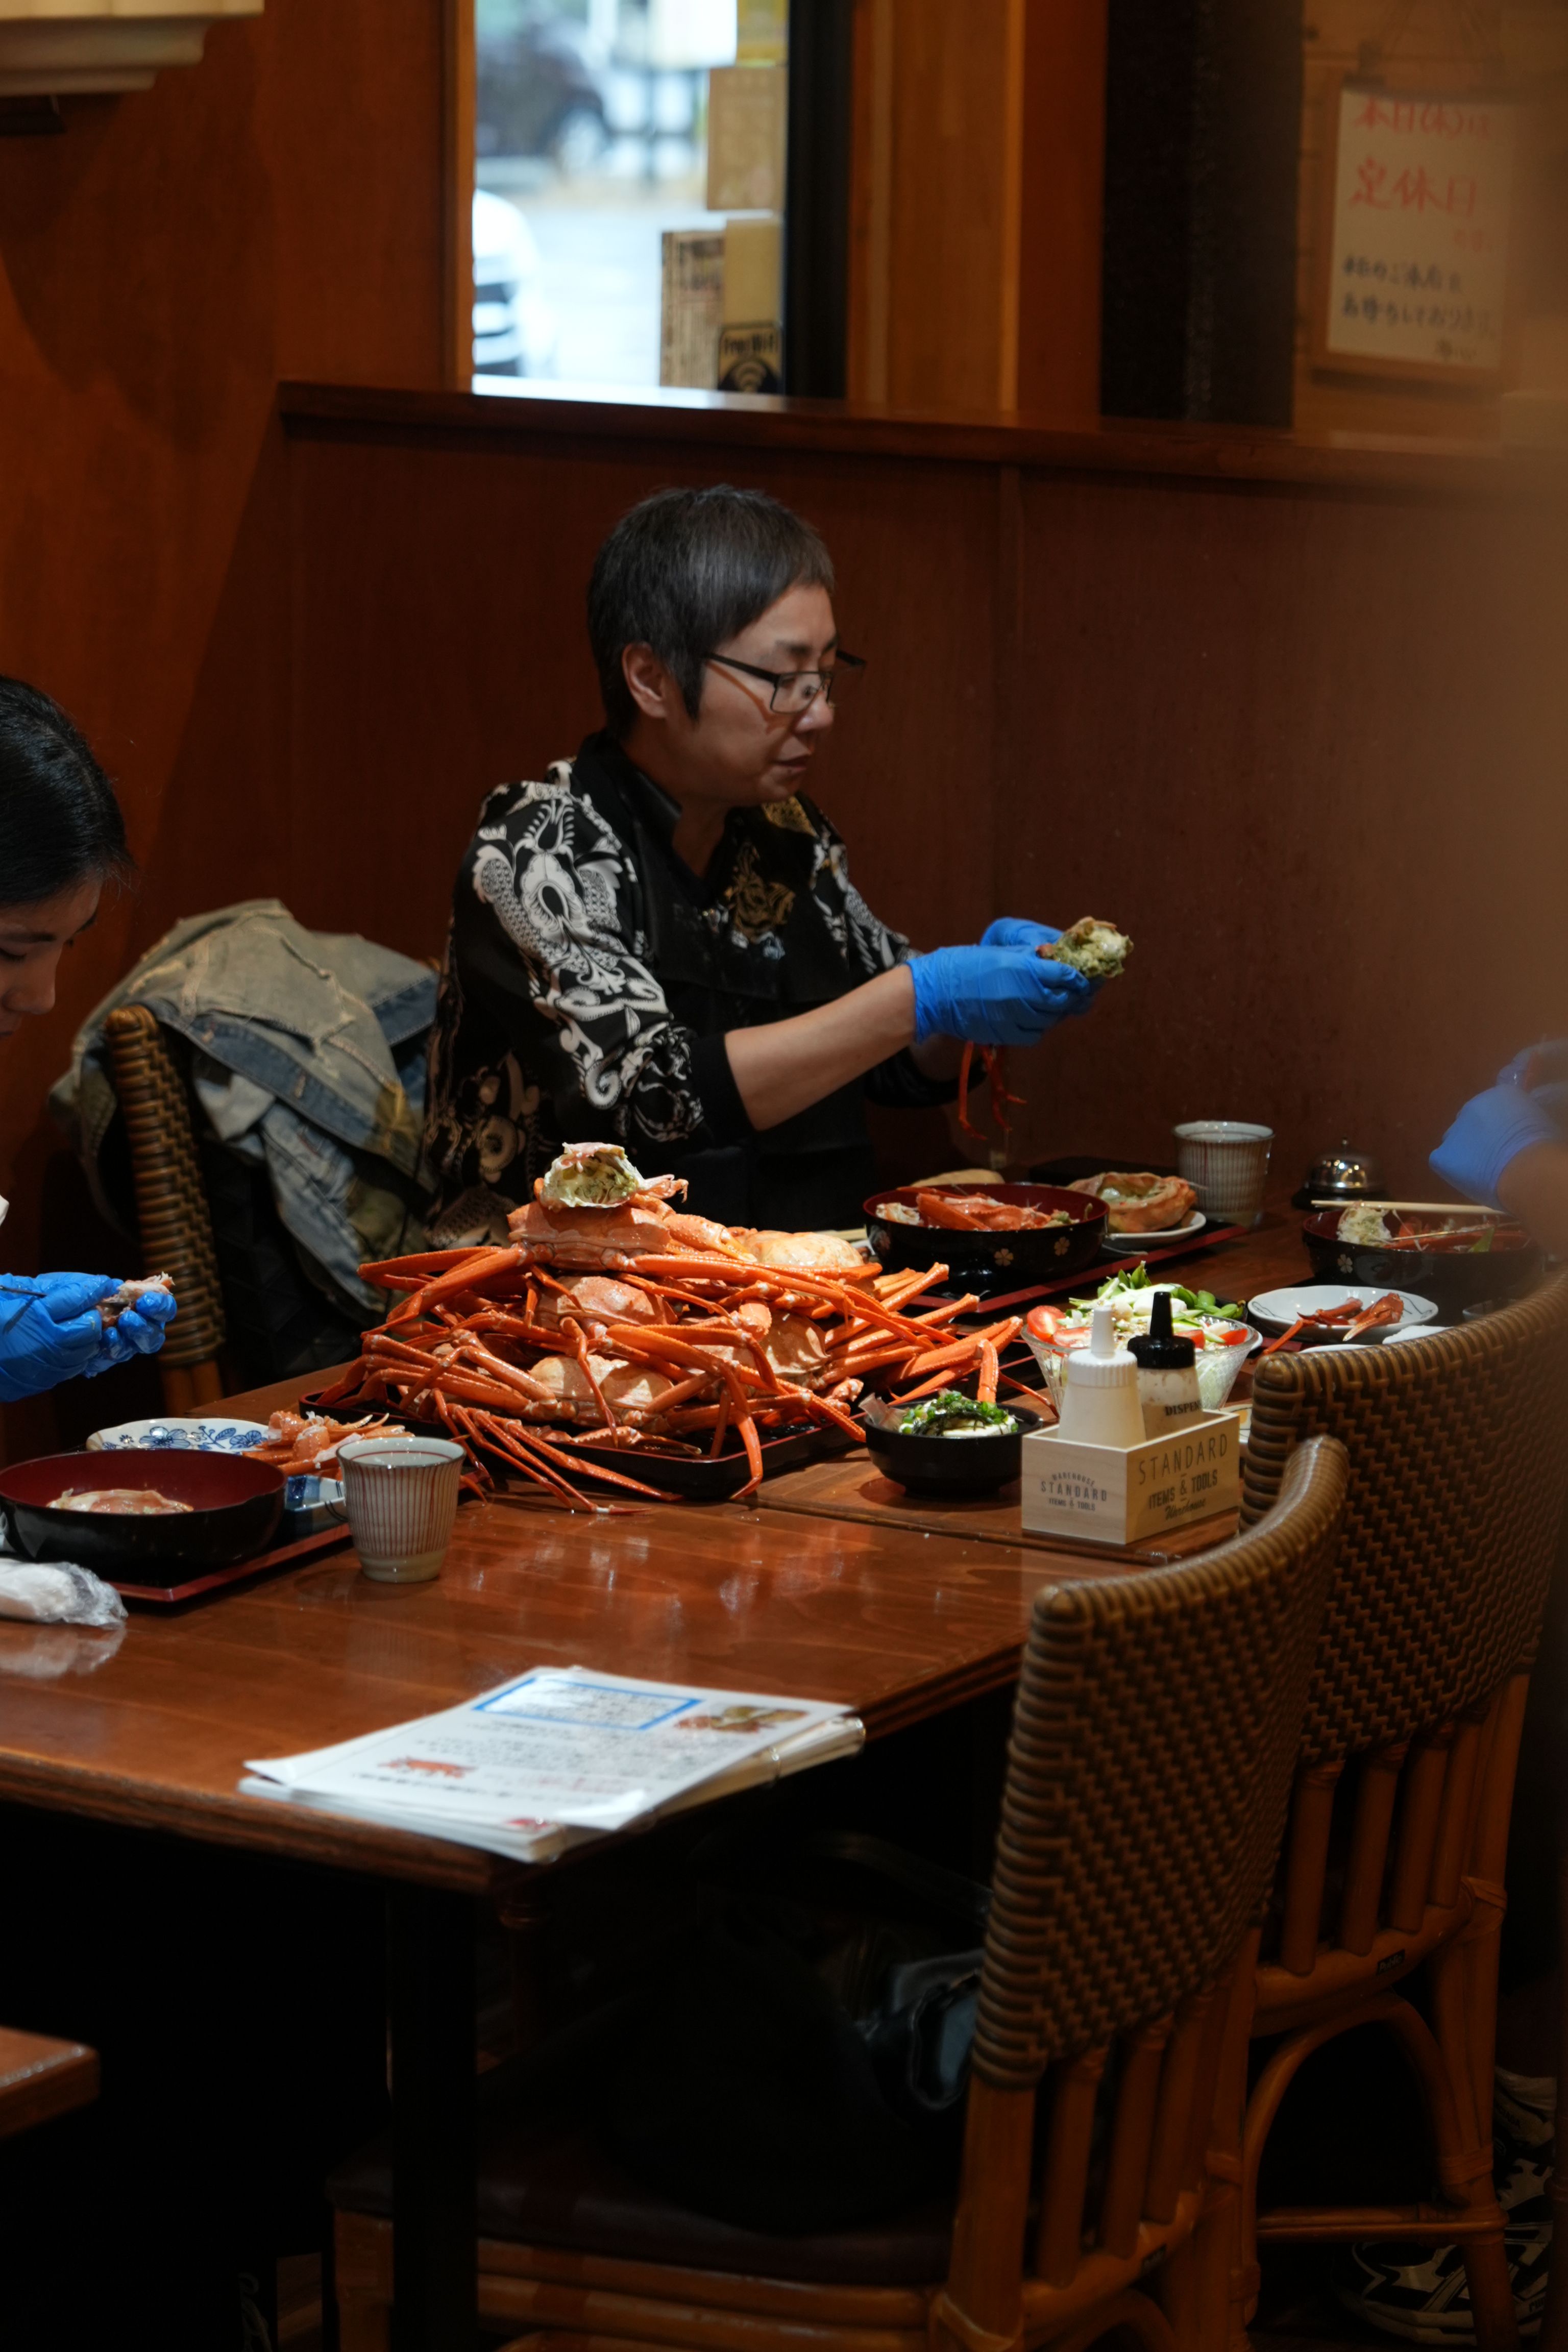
1543	1070
139	1330
1491	1131
993	995
49	1329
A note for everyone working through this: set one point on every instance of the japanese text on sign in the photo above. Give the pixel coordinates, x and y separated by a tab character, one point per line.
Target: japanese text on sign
1418	265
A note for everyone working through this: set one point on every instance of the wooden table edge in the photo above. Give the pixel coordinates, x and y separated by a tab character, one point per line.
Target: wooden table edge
291	1832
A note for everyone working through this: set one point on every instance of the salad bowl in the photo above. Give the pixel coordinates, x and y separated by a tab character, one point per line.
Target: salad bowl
1221	1337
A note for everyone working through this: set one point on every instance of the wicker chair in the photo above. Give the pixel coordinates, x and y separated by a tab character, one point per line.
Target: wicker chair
1399	1820
1156	1729
171	1203
40	2078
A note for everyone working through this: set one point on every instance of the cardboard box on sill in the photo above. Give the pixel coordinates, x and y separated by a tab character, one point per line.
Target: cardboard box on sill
1124	1495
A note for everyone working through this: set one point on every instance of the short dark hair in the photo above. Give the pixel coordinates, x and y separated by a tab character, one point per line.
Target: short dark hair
60	821
685	571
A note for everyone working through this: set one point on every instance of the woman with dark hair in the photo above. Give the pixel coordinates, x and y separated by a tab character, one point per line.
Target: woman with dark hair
61	839
659	946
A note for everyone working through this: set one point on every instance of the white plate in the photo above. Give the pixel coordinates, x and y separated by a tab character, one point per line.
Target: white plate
1276	1310
1136	1244
181	1434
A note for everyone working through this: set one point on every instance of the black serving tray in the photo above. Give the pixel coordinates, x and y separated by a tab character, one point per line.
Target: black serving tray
696	1478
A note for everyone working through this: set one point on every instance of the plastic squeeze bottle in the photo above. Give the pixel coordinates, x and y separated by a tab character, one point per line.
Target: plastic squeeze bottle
1100	1391
1167	1372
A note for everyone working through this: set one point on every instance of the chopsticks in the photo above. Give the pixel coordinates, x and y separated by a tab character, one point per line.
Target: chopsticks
1418	1208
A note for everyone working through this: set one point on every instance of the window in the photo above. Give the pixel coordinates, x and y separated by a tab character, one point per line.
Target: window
628	192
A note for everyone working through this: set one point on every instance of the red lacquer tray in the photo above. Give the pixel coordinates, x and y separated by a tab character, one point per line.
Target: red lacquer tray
216	1580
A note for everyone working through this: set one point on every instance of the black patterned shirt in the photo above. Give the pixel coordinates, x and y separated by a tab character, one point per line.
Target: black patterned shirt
591	977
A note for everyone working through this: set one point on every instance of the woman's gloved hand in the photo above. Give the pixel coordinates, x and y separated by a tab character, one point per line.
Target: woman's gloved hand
1013	932
991	995
51	1329
1491	1131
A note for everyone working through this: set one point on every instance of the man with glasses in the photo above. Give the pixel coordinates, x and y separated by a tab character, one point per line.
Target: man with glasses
659	945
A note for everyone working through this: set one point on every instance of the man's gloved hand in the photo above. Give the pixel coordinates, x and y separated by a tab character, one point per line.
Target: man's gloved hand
51	1329
1491	1131
993	995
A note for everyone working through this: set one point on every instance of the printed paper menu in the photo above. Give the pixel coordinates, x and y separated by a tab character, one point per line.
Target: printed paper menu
560	1744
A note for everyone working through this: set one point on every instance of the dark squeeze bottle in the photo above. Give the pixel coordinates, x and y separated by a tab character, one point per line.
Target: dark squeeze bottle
1167	1372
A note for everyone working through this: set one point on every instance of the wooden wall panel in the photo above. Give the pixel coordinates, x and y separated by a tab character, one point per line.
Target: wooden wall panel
275	210
1322	799
978	143
936	225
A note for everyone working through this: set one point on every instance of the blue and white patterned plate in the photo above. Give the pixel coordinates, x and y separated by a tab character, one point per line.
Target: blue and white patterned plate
177	1434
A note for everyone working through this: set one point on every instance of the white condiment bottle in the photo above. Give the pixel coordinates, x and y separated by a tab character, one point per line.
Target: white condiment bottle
1167	1373
1099	1389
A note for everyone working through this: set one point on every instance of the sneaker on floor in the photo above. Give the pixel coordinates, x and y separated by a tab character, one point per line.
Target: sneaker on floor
1418	2291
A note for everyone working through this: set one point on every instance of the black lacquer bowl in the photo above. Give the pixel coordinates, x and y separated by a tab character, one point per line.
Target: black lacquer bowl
236	1506
946	1465
990	1261
1453	1279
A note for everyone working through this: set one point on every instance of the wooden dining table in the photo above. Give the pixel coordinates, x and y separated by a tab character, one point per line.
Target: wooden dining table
832	1588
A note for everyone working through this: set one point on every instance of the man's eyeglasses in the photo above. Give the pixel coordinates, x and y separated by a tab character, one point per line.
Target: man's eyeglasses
795	690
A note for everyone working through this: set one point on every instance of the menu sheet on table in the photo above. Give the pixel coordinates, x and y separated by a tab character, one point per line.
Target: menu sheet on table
562	1750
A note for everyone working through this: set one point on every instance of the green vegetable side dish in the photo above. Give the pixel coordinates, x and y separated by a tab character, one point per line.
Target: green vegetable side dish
1117	1285
951	1414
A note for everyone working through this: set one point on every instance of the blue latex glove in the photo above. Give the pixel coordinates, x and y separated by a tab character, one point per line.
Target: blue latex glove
1491	1131
139	1332
1546	1067
51	1329
1013	932
993	995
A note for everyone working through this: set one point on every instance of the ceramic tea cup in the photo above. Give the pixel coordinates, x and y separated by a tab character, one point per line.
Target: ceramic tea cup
1226	1161
401	1496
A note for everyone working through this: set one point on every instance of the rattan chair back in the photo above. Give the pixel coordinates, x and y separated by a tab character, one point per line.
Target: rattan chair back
1458	1464
1155	1731
171	1196
1395	1856
1148	1773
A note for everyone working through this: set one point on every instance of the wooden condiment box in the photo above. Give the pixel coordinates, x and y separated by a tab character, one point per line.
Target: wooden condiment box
1123	1495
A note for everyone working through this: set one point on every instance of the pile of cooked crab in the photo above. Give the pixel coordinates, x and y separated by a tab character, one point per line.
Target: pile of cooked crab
614	1320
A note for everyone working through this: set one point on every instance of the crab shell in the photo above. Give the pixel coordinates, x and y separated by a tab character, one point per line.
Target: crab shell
591	1238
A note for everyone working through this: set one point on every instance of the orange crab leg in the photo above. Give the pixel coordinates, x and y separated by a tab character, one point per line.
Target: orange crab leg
389	1272
476	1267
986	1386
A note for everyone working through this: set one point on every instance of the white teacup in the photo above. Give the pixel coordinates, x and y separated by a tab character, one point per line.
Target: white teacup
1226	1161
401	1495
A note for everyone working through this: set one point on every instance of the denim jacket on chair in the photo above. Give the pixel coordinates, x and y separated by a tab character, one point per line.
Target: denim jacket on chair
309	1054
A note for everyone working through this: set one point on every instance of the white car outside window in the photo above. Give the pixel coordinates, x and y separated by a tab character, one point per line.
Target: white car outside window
514	329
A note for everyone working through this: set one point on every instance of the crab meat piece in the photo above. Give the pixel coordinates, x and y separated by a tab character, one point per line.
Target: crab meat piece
118	1302
802	1253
